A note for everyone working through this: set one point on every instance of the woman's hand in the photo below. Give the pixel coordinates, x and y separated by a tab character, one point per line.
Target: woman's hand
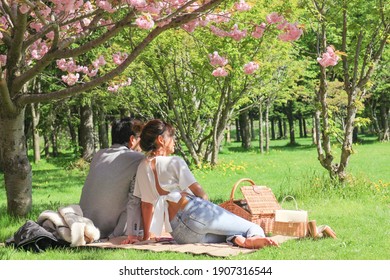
198	191
131	239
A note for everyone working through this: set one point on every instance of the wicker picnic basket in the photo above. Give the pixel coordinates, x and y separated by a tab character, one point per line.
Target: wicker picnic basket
258	206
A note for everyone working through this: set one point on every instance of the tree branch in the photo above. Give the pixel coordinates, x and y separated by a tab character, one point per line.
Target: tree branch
33	98
375	59
356	62
344	46
17	43
56	54
9	106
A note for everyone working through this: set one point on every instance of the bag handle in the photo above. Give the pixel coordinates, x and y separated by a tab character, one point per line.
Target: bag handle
293	198
236	185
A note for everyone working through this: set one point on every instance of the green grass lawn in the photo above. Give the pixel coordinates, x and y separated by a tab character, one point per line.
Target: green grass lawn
358	210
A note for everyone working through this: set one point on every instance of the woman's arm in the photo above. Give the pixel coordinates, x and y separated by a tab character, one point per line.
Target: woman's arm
147	214
198	191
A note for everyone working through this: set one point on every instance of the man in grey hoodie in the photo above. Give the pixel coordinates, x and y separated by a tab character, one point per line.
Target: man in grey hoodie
107	196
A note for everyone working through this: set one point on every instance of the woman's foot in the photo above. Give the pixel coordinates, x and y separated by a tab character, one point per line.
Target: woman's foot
254	242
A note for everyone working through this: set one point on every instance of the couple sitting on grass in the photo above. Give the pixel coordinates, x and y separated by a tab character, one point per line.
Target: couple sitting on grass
170	196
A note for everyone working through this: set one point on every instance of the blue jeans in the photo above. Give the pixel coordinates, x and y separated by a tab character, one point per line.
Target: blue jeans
202	221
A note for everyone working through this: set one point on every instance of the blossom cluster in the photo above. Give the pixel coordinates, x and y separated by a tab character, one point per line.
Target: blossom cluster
115	87
73	17
74	70
290	32
329	58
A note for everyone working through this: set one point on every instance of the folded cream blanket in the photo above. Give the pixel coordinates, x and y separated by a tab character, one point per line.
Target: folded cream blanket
69	224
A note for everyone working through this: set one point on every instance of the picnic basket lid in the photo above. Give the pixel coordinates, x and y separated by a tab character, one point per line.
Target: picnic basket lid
260	199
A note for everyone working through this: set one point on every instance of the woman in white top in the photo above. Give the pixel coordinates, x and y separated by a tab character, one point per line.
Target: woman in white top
172	198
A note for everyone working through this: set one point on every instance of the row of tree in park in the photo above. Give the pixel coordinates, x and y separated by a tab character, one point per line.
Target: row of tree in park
197	64
83	124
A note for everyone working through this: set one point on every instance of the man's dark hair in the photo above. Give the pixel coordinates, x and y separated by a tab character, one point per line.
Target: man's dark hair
122	130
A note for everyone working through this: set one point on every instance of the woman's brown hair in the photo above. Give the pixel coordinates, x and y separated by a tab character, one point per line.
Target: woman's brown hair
151	131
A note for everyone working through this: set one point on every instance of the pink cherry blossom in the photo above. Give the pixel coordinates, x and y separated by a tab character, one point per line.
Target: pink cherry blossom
119	57
92	73
145	22
137	3
116	87
190	26
237	34
24	9
113	88
274	18
329	58
70	79
259	30
36	25
38	49
218	18
45	11
291	32
88	6
242	6
3	59
68	6
3	23
217	60
250	67
220	72
61	64
105	5
50	35
282	25
153	8
219	32
99	62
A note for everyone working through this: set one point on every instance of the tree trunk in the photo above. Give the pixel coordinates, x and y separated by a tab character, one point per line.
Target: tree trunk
102	126
87	142
228	139
245	129
290	119
1	161
238	138
74	114
261	132
273	137
346	149
280	127
47	145
384	113
36	138
17	168
300	120
253	136
267	138
220	120
304	127
316	127
53	140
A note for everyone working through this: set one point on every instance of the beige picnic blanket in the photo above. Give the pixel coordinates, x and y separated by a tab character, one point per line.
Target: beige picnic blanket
211	249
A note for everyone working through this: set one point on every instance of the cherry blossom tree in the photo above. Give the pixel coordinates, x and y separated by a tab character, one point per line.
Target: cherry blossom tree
67	34
360	31
37	34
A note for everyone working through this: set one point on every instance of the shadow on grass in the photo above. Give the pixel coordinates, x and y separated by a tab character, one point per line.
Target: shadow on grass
62	160
56	179
287	147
